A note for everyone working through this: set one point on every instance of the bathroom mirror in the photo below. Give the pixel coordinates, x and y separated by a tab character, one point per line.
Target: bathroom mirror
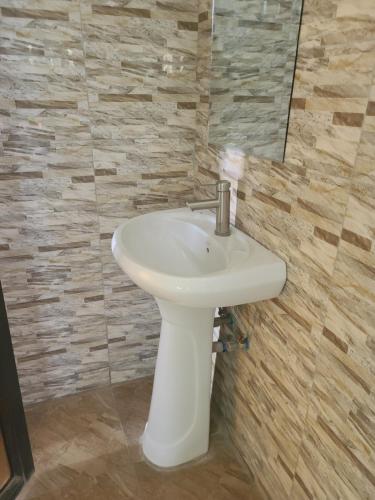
254	46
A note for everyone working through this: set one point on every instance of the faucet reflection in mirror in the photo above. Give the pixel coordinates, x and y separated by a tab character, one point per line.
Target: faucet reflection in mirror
253	59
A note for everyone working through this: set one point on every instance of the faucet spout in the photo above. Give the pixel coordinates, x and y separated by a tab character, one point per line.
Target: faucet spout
203	204
222	205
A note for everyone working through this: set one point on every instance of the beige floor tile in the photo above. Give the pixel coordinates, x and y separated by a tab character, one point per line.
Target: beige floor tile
87	446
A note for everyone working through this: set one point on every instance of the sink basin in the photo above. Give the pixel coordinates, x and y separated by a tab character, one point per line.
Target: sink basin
176	256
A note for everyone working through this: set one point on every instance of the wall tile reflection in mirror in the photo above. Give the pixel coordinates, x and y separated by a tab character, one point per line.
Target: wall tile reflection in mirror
253	61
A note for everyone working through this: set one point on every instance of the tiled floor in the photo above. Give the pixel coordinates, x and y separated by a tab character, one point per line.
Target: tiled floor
86	446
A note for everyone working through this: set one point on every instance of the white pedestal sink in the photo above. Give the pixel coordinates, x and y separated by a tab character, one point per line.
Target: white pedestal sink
176	256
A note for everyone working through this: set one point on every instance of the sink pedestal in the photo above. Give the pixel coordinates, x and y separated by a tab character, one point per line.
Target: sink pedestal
177	430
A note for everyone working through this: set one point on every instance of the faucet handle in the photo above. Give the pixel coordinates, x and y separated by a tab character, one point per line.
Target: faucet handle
221	185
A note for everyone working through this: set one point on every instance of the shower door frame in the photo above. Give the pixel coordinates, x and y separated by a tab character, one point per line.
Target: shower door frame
12	416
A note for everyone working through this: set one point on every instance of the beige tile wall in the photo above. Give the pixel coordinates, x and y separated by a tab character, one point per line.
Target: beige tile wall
300	406
97	113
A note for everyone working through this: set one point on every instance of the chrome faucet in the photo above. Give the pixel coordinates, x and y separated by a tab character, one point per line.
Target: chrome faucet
222	205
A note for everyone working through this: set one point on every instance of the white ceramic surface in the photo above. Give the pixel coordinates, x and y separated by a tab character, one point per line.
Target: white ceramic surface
176	256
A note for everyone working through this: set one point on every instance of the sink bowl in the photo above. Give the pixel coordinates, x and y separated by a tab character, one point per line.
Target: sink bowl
176	256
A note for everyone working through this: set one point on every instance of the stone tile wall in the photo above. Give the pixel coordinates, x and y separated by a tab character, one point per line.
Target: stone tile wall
97	113
300	406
